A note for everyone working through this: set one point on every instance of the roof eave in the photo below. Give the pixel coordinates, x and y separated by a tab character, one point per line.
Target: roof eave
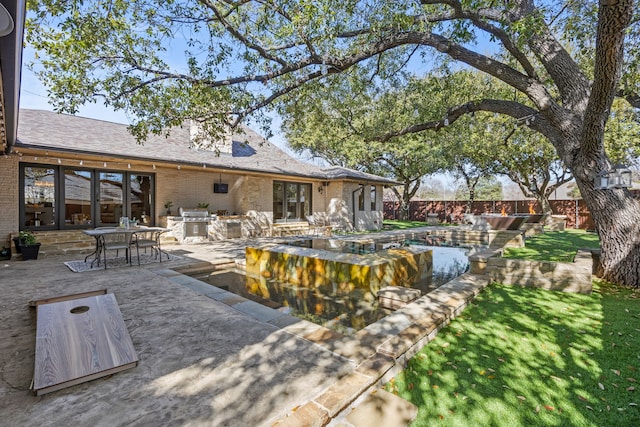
11	68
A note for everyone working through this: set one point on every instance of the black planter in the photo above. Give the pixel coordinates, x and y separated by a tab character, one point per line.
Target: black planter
16	242
30	251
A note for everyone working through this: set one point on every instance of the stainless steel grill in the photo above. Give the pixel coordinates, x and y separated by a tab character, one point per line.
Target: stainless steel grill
196	221
194	215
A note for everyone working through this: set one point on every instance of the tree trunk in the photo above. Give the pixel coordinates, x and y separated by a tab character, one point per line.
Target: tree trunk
472	197
544	203
405	200
617	218
405	204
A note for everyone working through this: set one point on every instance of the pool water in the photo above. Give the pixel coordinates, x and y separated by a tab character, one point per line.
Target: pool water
331	305
359	247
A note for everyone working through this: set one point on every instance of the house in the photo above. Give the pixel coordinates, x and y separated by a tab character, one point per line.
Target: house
66	173
62	174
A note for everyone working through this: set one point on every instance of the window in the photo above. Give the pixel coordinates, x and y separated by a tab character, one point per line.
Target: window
57	197
38	197
78	186
373	198
291	201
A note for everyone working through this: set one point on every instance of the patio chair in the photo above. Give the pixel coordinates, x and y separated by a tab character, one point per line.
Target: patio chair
315	229
148	239
335	223
115	241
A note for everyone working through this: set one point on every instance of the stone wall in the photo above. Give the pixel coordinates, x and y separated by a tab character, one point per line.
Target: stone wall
62	242
557	276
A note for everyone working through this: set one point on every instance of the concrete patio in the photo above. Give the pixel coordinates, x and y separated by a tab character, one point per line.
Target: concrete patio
208	357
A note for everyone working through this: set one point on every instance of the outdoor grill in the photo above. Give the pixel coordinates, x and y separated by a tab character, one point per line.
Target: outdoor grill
195	222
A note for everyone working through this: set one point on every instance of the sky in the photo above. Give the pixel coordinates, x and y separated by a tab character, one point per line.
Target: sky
33	95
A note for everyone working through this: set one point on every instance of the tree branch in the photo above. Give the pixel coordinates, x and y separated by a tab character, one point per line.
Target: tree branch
479	20
244	40
571	82
527	115
632	98
613	19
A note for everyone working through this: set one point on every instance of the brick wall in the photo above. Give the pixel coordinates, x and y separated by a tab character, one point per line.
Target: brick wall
8	198
188	188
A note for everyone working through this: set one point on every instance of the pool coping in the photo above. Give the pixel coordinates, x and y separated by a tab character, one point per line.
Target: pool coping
378	352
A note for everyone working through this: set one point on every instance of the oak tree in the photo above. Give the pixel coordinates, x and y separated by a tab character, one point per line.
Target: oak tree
242	56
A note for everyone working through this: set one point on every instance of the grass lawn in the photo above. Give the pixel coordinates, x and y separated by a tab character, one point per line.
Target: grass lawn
529	357
396	224
559	246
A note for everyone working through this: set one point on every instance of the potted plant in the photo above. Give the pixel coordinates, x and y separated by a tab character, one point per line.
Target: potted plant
168	207
29	245
16	242
203	205
5	253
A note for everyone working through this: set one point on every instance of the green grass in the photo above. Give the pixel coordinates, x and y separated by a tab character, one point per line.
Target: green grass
396	224
529	357
393	224
558	246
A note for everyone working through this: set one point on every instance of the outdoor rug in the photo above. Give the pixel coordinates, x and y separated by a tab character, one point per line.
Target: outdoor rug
81	266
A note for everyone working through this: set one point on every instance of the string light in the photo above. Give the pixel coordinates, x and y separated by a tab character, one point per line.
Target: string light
129	166
178	167
59	161
104	164
81	162
154	167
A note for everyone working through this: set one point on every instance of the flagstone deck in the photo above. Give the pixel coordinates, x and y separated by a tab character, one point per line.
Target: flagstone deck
207	357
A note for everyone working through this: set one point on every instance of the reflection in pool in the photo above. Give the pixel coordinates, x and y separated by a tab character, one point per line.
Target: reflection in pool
337	306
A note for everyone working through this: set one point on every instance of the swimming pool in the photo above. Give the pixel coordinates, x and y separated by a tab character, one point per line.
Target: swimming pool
337	305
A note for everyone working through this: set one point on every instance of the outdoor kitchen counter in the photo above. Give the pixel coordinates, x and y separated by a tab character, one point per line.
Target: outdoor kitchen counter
230	227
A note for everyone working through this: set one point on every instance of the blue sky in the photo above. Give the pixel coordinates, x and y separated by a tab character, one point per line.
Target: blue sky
33	95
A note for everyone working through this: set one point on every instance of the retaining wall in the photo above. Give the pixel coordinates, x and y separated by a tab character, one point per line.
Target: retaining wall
557	276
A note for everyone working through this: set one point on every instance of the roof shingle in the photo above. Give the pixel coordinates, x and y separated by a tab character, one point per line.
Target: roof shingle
250	151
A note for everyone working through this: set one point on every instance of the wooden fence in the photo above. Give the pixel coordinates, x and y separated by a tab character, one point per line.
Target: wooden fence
576	211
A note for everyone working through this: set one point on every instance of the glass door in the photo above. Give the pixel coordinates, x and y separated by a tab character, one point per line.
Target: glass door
278	201
140	198
77	197
292	201
38	197
111	198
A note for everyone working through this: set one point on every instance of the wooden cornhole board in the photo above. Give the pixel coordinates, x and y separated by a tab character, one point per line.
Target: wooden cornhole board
79	340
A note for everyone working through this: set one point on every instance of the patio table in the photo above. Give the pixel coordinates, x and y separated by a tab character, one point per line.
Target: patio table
99	235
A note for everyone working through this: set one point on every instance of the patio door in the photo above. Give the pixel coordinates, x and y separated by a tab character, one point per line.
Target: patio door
110	198
291	201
